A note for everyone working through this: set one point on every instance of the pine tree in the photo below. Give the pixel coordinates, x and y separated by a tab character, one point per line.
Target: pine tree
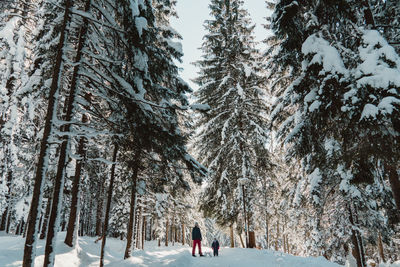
232	133
322	115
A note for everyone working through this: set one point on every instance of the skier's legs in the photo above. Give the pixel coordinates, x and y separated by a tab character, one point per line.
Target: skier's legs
200	247
194	247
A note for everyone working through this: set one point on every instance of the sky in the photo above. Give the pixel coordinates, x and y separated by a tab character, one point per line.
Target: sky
192	14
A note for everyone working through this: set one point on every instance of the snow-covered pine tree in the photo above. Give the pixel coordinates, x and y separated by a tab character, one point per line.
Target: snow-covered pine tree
386	20
322	109
43	160
232	133
18	134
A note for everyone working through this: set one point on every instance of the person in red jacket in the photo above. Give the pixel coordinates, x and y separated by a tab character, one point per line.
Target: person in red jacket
215	247
196	237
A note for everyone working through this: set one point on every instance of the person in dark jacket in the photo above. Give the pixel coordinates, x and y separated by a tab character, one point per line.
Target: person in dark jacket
196	237
215	247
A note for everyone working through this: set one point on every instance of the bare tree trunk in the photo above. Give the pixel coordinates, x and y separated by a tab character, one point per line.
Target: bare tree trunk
129	237
183	233
109	198
277	236
166	233
284	244
143	230
267	231
72	221
232	236
175	233
3	220
380	248
368	16
99	210
241	240
49	256
138	228
33	222
355	238
46	218
395	184
246	222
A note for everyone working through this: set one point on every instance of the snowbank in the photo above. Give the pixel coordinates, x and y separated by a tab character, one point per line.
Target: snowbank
87	254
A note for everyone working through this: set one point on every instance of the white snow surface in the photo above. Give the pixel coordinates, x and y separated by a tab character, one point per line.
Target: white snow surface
87	254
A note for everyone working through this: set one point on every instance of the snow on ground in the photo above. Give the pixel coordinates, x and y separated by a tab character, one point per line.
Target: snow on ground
87	254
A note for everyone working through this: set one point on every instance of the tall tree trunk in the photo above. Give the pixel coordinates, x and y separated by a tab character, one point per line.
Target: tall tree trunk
49	254
99	209
355	238
33	222
380	248
246	222
175	234
232	236
73	218
3	220
368	16
138	227
267	231
45	219
143	230
108	206
241	240
129	237
183	233
395	184
166	233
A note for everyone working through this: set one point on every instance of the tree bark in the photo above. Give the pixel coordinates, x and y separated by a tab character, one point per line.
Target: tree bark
166	233
394	184
232	236
183	233
45	219
4	220
246	222
49	256
380	248
368	16
72	221
109	198
241	240
267	231
143	230
129	237
33	222
138	227
355	238
99	210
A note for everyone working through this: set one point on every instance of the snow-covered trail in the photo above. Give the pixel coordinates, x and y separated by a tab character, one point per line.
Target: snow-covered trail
87	255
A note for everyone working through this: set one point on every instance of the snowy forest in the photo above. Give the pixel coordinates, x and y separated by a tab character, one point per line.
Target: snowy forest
293	148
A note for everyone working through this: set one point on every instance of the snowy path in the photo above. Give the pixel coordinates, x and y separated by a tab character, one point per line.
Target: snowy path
87	255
